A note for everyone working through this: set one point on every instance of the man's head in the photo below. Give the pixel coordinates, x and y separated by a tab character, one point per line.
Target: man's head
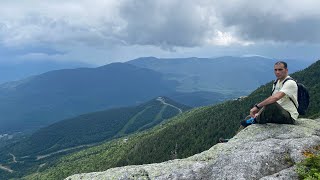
281	70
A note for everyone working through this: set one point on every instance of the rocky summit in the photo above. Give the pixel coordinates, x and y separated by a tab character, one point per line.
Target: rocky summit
265	152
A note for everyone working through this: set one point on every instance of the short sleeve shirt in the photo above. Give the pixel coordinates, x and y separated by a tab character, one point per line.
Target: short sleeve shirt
290	88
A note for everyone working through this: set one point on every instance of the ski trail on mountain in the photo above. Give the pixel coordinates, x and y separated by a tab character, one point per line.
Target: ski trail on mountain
131	121
119	134
163	102
13	158
39	157
6	169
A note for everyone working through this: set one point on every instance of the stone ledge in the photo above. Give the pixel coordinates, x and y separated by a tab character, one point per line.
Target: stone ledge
259	151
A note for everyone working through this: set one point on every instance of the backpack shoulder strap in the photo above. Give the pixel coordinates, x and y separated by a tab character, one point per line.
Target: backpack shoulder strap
274	85
290	78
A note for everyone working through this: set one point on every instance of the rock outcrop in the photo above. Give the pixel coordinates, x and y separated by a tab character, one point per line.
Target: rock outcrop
258	152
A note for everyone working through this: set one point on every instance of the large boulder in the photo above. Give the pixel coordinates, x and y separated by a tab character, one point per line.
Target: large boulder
267	151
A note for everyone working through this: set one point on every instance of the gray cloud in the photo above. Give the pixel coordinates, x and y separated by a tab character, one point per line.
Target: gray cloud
165	23
92	23
104	28
279	21
189	23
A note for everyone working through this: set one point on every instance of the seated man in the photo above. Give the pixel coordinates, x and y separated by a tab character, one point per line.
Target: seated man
280	107
277	108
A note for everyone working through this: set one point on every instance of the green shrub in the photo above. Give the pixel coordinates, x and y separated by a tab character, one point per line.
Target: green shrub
309	169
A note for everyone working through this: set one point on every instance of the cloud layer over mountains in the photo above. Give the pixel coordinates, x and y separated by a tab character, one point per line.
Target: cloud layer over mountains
103	25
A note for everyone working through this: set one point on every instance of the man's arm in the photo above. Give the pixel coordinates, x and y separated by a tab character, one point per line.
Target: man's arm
269	100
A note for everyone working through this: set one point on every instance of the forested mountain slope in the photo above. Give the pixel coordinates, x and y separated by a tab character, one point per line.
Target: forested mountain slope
41	100
86	130
182	136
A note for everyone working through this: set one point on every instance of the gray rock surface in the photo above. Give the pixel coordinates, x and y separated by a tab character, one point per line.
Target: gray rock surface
265	152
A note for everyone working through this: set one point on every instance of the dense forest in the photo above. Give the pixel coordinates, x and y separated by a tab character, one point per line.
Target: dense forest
58	139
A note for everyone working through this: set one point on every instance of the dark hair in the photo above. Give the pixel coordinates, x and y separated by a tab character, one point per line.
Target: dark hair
282	62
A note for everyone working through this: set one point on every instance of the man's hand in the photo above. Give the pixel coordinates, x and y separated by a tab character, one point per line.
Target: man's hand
254	111
269	100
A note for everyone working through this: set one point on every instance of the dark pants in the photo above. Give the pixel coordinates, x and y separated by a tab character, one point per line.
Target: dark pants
274	113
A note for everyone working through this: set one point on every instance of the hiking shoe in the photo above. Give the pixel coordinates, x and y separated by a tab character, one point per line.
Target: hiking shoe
248	122
222	140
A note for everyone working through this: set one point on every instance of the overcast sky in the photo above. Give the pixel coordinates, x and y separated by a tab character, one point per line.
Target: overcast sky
103	31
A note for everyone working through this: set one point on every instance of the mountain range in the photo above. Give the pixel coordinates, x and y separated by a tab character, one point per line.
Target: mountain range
225	75
41	100
181	136
13	71
37	101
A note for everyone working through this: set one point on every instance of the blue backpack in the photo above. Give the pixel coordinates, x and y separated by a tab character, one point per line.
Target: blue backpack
303	96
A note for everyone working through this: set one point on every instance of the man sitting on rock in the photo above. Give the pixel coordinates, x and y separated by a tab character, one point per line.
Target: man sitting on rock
278	108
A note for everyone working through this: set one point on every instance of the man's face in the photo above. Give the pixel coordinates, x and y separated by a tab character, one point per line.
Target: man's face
280	71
